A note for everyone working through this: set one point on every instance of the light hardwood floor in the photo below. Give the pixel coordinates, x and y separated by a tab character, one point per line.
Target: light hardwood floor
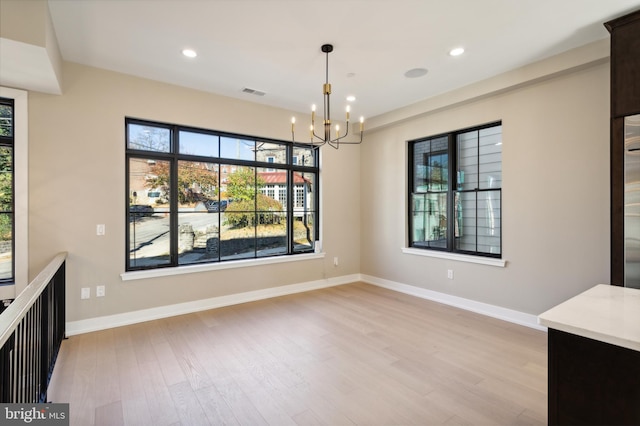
353	354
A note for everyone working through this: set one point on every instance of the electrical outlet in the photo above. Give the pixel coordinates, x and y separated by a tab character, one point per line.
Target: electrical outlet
85	293
450	274
100	291
100	229
335	261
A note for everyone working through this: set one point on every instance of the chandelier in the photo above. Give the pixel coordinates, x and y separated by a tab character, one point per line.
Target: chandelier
326	138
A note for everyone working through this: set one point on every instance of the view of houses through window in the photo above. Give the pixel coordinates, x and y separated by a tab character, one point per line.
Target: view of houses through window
199	196
455	193
7	274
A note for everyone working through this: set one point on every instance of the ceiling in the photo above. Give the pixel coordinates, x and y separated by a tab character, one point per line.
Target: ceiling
273	46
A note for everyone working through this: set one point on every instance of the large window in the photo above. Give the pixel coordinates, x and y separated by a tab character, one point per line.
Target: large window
7	134
455	192
201	196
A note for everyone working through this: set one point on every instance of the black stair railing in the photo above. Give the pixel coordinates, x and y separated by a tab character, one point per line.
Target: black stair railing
31	331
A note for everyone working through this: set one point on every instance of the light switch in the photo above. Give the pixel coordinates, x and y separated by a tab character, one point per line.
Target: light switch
100	229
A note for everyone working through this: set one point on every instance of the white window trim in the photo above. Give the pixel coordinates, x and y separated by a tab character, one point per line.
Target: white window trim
21	190
204	267
490	261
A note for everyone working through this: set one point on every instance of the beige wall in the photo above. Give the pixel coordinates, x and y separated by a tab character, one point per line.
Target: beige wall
77	178
555	195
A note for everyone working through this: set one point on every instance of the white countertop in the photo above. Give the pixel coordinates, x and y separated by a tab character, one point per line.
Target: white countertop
606	313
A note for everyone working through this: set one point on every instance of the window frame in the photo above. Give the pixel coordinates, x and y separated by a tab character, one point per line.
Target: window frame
174	157
21	192
10	142
453	188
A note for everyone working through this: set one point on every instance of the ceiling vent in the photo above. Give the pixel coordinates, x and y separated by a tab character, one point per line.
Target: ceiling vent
253	91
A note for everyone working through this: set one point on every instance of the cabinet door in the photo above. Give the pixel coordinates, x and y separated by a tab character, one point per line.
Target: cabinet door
592	382
625	64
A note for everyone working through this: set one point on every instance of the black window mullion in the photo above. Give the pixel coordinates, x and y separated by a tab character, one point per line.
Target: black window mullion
256	212
289	208
500	192
316	204
290	218
451	149
173	202
411	186
476	209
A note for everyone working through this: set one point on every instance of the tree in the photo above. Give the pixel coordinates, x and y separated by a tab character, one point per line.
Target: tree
6	128
6	175
6	178
243	186
149	138
241	213
195	180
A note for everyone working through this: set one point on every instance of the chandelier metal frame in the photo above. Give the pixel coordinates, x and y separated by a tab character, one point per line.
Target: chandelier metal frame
326	139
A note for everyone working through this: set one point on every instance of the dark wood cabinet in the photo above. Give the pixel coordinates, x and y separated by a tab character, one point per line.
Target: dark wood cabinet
594	358
625	101
592	382
625	64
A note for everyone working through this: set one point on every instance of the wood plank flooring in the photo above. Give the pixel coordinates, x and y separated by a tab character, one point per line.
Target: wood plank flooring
349	355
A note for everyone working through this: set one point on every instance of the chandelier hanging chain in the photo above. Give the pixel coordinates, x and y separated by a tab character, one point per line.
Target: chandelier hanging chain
315	139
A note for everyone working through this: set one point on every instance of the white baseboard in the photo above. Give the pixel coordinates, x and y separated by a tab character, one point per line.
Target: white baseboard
134	317
498	312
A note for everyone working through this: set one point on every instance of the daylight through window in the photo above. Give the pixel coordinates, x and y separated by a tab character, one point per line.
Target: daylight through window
7	246
201	196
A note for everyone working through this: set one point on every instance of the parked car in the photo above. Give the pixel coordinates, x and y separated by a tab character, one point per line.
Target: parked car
140	210
214	206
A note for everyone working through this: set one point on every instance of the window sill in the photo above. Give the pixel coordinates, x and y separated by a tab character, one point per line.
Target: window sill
500	263
166	272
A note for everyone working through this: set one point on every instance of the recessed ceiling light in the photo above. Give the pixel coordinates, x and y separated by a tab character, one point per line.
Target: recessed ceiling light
189	53
457	51
351	98
416	72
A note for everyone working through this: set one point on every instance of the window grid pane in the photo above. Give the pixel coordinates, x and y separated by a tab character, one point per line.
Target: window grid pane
148	214
475	198
430	220
490	145
6	120
7	195
193	143
236	148
149	138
